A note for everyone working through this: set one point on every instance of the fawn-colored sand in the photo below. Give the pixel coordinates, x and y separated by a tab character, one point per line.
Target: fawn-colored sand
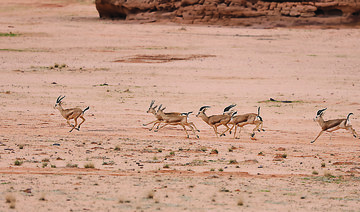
117	68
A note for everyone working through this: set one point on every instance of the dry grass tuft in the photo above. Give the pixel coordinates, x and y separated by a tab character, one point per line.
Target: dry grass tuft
328	174
150	195
9	198
89	166
240	202
12	205
42	197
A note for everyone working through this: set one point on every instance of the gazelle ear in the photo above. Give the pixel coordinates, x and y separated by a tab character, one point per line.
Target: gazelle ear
163	109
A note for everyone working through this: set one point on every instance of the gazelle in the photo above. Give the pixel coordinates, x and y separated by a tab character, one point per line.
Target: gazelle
159	119
153	111
72	113
334	124
216	120
176	119
245	119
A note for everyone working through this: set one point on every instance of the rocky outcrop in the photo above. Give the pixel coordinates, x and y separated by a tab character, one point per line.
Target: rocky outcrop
233	12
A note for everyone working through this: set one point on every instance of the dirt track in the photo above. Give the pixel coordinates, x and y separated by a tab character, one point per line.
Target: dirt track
117	68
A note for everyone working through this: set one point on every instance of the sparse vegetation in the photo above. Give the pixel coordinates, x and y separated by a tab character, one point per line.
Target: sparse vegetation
284	155
70	165
109	163
44	165
150	195
9	34
240	202
18	163
166	166
12	205
117	148
328	175
203	149
323	165
10	198
89	166
57	66
233	162
42	197
220	170
121	200
315	173
214	151
224	190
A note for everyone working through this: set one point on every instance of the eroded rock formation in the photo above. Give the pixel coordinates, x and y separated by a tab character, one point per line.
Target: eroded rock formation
234	12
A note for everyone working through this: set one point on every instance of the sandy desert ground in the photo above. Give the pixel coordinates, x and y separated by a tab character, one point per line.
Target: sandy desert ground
51	48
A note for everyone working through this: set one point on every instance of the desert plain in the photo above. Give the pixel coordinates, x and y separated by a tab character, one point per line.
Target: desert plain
114	163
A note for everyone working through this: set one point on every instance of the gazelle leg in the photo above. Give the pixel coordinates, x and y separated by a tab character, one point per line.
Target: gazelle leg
74	127
158	128
156	122
192	128
150	123
240	128
261	126
187	134
321	132
232	128
234	131
252	136
352	130
193	125
258	126
83	120
227	129
215	129
68	121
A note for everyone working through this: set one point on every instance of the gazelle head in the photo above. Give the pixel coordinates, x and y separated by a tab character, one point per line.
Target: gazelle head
58	101
228	110
319	114
151	108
